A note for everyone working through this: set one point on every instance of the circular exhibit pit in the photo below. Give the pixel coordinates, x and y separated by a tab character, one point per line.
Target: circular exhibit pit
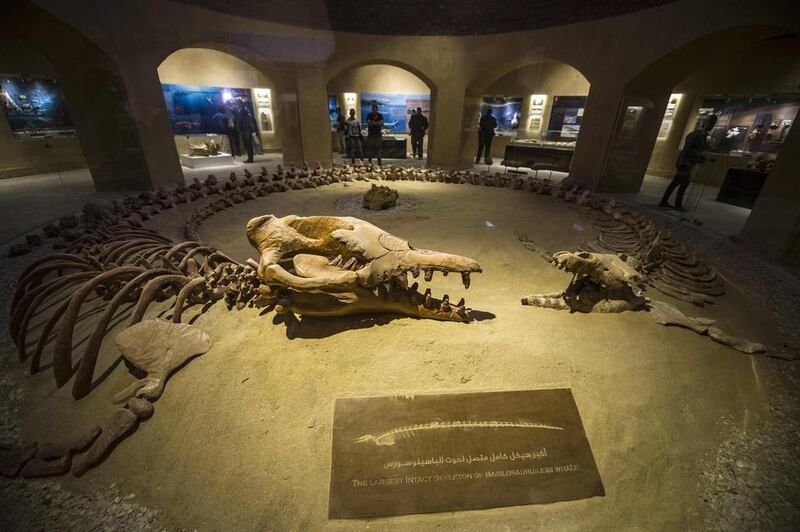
241	437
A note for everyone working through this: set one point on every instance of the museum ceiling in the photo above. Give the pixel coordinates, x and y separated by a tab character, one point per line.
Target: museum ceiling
426	17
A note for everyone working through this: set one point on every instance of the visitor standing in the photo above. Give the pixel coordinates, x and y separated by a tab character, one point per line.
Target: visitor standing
353	130
223	123
375	134
690	155
341	133
245	125
486	127
417	125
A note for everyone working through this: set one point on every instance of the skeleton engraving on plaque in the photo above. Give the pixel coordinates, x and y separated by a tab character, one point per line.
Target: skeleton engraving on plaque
390	437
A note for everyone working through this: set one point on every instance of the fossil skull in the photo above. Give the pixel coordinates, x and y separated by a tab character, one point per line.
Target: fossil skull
601	282
332	266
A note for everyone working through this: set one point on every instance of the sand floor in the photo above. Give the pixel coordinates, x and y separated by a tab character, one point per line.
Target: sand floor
241	438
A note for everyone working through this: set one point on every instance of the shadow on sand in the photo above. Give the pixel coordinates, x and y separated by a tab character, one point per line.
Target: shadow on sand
314	327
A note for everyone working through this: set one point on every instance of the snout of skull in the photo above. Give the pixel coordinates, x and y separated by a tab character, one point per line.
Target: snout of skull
392	243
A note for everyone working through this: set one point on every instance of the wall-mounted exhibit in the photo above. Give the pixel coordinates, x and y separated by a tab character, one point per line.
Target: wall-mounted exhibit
333	104
752	128
506	110
210	126
565	117
751	125
395	108
34	107
396	91
536	113
669	116
192	109
196	111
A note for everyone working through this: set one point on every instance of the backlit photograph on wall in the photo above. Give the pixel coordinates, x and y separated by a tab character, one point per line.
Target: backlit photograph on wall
565	117
395	108
506	110
35	107
263	100
192	108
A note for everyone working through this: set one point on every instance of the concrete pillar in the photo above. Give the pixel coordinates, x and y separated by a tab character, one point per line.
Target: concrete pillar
148	111
665	152
287	123
312	111
597	129
773	228
444	138
469	129
632	144
96	104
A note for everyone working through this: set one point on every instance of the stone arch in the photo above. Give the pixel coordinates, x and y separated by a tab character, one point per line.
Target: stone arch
481	85
416	72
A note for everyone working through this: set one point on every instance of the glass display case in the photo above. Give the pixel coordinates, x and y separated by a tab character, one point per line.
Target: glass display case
749	125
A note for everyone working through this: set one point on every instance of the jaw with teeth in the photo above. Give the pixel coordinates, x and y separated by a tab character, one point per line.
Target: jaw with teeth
333	266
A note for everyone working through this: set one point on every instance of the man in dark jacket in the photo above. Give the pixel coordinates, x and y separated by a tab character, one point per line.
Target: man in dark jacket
246	125
485	135
375	134
690	155
417	125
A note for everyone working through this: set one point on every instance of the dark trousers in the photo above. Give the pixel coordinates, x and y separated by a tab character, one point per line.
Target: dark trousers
375	147
681	182
247	140
354	148
233	137
416	145
485	148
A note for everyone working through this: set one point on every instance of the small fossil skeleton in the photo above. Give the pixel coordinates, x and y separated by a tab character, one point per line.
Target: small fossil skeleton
601	282
610	283
392	436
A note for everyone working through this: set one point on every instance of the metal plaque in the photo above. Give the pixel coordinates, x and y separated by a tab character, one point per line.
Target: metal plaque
446	452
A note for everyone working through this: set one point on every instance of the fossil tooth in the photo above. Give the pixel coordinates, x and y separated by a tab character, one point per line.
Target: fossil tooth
336	261
415	273
428	299
460	302
445	272
414	286
350	263
446	299
465	279
428	275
